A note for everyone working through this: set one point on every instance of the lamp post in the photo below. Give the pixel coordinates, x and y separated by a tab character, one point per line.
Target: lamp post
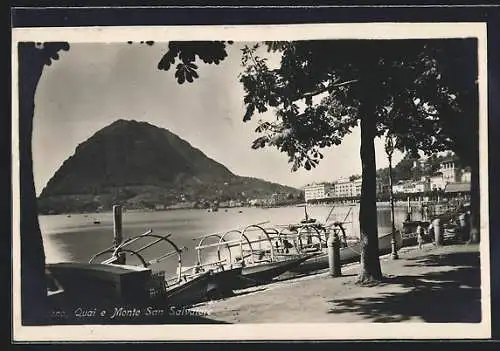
389	149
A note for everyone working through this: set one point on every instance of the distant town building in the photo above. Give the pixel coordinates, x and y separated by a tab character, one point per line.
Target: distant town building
448	174
346	188
382	187
256	202
451	173
398	187
317	191
465	177
278	199
356	187
419	163
458	190
411	187
235	203
343	188
437	182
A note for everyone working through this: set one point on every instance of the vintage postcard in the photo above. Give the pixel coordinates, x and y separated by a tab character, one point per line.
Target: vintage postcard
274	182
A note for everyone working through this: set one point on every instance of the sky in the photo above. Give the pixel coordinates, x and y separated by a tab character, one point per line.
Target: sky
93	85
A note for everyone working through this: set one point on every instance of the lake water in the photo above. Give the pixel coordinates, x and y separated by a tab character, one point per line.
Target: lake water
77	238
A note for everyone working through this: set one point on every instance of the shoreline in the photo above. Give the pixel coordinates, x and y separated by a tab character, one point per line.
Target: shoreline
382	204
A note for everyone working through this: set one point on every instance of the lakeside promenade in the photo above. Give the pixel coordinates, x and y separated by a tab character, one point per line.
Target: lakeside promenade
435	284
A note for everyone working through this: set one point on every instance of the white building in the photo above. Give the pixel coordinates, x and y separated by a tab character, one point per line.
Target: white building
411	187
346	188
356	187
437	182
466	176
451	174
316	191
398	187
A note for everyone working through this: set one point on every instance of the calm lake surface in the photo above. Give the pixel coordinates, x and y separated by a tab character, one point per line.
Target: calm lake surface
77	238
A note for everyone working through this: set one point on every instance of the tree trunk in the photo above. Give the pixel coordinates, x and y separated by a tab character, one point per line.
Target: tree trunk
370	265
33	285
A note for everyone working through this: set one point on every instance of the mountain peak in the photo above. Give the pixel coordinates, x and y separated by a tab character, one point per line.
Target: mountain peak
130	154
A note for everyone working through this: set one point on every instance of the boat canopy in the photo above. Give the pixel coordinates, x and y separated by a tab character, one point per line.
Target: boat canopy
118	251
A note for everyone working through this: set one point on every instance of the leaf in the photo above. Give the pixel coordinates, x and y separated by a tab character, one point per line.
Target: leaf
307	165
166	61
249	112
259	142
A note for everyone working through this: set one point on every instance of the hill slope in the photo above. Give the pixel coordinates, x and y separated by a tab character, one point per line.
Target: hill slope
142	165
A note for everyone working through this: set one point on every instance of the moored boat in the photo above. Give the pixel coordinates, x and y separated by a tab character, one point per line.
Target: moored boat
265	273
258	265
185	288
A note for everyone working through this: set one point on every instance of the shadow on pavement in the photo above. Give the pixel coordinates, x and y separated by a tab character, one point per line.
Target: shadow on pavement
453	295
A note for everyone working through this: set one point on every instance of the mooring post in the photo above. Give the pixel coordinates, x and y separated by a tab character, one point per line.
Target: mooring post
117	231
334	254
464	227
438	231
408	210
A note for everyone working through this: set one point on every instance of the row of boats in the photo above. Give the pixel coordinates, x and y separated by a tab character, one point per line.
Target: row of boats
225	262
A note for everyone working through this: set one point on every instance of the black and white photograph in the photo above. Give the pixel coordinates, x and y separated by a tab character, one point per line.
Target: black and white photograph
323	181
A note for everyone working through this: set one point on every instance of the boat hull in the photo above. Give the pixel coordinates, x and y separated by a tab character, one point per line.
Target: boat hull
190	292
223	282
264	273
208	286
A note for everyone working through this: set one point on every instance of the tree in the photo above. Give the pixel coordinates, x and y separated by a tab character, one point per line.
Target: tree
32	57
390	87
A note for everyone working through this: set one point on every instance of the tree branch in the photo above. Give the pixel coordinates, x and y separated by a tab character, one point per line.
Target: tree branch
328	88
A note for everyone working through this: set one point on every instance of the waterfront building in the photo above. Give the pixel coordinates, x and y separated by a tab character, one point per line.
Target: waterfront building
411	187
356	187
257	202
398	187
451	173
317	191
458	190
437	182
465	177
278	199
345	188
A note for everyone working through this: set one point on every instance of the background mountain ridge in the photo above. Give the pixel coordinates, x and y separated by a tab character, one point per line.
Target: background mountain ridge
143	166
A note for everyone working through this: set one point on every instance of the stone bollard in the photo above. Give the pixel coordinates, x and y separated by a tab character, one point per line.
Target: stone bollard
464	226
334	254
438	231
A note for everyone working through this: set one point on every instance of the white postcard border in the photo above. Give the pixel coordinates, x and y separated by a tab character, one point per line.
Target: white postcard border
323	331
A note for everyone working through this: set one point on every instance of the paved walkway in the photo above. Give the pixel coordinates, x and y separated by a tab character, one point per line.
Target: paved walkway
429	285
